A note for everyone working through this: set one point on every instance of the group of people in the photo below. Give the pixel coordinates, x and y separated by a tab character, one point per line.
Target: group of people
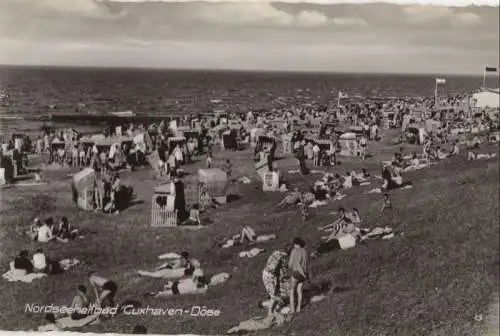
110	195
46	231
82	305
39	263
284	275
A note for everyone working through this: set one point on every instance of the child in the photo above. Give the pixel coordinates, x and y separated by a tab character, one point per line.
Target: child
74	156
209	160
386	203
99	193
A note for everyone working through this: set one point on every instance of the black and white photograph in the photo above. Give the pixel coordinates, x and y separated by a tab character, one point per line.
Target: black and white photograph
250	167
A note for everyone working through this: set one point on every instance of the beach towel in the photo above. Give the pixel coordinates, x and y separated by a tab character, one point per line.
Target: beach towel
339	197
244	180
379	233
66	264
169	255
251	253
317	298
164	273
317	172
258	323
68	323
14	275
218	279
263	238
317	204
29	184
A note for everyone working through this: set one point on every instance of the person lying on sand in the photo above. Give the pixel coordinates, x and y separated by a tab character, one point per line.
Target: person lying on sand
183	262
247	235
174	268
293	198
104	289
193	285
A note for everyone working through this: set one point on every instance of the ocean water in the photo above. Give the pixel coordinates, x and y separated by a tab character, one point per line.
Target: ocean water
39	91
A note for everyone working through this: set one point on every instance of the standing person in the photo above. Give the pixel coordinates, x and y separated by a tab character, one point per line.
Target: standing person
272	276
363	142
104	289
298	265
316	151
99	193
180	200
228	169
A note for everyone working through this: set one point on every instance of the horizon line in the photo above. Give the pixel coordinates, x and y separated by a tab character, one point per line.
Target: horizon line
324	72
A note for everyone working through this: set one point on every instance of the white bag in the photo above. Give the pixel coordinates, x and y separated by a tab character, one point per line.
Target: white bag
347	241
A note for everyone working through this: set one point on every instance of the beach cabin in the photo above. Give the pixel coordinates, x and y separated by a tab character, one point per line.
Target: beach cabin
214	183
83	189
163	213
172	142
348	144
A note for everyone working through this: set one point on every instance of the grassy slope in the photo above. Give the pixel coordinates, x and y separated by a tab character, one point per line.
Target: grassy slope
430	282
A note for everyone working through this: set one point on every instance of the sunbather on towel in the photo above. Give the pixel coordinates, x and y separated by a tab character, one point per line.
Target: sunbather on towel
174	268
247	235
293	198
197	284
183	262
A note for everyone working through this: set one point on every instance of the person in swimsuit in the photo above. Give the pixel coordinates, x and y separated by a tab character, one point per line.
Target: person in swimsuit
104	290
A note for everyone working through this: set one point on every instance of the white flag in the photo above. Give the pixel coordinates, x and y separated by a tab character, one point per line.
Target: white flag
342	95
440	81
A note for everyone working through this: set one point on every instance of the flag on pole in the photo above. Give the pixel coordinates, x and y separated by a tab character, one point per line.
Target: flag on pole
440	81
342	95
491	69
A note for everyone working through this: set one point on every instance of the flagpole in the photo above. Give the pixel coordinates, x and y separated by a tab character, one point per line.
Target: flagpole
436	93
484	78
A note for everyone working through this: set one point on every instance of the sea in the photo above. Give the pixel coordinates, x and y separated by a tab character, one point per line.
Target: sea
27	92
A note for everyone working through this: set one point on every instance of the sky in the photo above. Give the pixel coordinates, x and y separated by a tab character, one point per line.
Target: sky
439	37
